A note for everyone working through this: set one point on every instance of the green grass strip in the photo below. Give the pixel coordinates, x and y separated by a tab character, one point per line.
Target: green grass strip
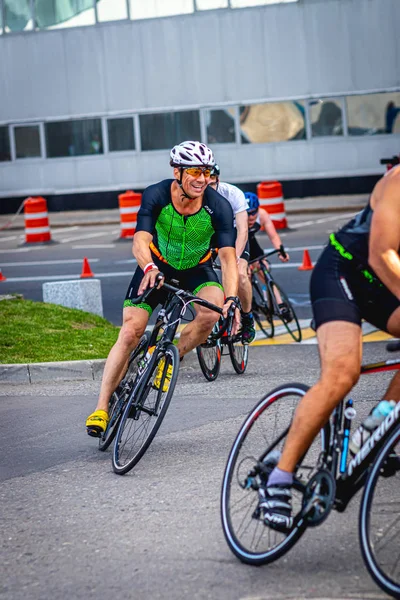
39	332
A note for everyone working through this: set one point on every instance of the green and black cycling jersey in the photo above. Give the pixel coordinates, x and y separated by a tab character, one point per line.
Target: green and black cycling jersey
184	241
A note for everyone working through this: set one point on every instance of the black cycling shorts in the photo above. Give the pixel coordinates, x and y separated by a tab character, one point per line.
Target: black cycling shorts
246	252
339	292
193	279
254	248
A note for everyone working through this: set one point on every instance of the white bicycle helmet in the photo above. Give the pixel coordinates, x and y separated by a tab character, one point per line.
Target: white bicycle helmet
191	154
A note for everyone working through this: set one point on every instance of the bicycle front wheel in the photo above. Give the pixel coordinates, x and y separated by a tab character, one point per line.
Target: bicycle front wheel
288	317
146	410
120	397
239	354
209	355
259	443
379	523
262	311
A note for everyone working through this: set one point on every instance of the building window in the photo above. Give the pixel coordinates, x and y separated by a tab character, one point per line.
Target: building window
164	130
59	14
111	10
27	141
120	134
17	15
326	117
74	138
211	4
5	153
139	9
272	122
220	126
373	113
246	3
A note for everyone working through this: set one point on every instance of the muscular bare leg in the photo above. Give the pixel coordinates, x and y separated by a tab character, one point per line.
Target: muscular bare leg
340	348
133	326
196	331
245	292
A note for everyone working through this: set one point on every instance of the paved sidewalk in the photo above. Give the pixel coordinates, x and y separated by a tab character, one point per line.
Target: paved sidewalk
293	206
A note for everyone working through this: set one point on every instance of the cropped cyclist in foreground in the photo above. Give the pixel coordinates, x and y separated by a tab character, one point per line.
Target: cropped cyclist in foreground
176	222
357	276
237	200
260	219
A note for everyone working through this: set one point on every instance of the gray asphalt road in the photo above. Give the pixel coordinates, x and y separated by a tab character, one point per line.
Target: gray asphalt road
73	529
27	268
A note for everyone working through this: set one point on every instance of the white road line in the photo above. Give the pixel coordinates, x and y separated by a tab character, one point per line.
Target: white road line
66	277
89	246
324	220
301	248
15	250
8	239
84	237
38	263
64	229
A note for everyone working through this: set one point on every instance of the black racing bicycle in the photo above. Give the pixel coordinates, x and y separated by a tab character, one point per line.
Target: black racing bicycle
272	304
326	478
210	353
140	403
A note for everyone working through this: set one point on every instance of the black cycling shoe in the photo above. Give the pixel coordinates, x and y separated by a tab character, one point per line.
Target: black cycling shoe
285	312
275	502
248	331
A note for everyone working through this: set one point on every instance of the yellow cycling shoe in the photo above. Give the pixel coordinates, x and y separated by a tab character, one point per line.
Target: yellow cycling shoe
97	422
159	374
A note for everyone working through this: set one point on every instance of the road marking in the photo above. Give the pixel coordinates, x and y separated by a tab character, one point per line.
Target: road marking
8	239
46	262
309	336
89	246
64	229
66	277
83	237
13	251
324	220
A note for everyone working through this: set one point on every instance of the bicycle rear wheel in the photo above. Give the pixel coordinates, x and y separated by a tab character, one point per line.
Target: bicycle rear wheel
289	319
146	410
262	433
120	396
239	354
379	523
209	355
262	311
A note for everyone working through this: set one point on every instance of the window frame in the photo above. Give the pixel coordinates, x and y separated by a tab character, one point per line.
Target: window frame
42	144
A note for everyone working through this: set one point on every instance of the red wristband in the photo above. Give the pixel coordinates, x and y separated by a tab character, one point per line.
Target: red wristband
149	267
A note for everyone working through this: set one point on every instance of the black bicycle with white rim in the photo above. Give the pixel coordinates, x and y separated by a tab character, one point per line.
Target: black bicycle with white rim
326	478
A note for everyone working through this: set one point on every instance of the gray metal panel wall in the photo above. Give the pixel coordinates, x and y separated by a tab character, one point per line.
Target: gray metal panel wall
276	51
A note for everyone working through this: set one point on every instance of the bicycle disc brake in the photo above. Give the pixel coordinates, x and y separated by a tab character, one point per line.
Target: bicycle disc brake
318	497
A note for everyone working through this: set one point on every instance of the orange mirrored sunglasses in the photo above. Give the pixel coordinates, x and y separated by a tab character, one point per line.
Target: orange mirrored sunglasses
197	171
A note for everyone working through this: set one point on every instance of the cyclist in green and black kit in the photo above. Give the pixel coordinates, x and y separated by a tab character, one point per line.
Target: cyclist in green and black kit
176	222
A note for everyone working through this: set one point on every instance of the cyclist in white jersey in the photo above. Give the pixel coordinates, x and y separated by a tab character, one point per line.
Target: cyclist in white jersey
239	204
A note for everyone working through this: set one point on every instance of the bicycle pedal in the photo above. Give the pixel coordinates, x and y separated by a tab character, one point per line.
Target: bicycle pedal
94	431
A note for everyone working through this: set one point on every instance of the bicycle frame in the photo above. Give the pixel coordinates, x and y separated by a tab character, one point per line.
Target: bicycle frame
352	477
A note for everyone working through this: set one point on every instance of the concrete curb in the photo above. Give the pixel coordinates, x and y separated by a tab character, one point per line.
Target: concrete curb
72	370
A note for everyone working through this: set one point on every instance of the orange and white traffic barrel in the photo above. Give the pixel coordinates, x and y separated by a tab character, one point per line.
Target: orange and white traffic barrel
270	196
37	227
129	204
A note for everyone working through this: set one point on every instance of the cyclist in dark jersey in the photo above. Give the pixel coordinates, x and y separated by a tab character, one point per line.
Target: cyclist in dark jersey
356	277
176	221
